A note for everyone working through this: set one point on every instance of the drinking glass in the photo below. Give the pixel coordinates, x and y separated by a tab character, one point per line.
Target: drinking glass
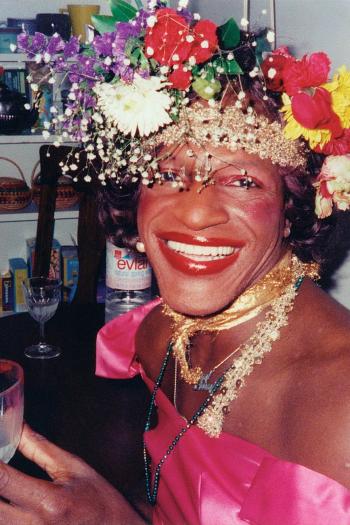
11	407
42	296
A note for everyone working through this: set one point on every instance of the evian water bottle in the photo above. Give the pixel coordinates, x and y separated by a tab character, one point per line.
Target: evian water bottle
128	280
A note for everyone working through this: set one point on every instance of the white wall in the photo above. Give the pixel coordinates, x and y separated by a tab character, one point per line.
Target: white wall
304	25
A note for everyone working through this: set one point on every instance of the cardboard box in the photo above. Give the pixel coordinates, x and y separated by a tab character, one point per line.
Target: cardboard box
70	271
19	271
55	266
6	292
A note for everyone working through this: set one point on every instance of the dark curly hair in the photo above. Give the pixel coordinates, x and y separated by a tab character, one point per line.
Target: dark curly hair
309	235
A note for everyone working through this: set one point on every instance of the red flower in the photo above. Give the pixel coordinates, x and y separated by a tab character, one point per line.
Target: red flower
166	42
1	71
205	41
310	71
172	41
180	78
337	146
273	68
315	111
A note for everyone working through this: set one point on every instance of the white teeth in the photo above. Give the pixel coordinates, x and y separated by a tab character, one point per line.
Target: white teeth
199	252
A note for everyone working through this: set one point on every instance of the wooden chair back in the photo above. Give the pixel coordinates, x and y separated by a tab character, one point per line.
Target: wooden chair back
91	239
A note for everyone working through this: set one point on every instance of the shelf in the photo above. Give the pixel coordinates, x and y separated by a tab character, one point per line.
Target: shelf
13	57
30	138
30	213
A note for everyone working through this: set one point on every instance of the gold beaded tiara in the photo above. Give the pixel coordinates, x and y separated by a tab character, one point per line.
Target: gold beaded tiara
230	127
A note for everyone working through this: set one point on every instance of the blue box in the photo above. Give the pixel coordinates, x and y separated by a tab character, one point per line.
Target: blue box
70	272
19	270
6	292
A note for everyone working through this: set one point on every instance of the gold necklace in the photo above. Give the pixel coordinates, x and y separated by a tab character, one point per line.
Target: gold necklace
247	306
252	353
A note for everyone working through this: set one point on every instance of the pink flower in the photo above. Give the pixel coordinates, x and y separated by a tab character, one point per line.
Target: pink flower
310	71
315	111
337	146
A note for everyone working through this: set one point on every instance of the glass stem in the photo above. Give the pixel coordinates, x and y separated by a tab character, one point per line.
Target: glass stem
42	333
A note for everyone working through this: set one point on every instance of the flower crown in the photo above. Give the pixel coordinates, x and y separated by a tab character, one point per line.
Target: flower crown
131	85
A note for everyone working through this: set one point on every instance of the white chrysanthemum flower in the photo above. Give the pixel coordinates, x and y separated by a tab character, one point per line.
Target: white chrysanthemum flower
140	106
333	185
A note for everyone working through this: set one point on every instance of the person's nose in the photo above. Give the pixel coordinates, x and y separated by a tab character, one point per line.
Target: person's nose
199	208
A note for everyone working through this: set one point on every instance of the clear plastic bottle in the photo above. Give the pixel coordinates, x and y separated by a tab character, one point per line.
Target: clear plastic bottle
128	280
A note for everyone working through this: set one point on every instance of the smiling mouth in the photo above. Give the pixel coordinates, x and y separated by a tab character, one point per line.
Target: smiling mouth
201	253
198	257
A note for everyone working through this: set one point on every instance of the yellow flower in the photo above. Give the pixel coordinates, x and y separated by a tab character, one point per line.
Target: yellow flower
340	90
293	130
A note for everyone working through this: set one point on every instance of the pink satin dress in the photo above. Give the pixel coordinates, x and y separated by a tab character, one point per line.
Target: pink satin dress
224	480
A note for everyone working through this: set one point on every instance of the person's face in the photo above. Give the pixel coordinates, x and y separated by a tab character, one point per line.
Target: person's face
207	247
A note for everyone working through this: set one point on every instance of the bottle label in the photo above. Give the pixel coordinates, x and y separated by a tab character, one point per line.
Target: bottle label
126	270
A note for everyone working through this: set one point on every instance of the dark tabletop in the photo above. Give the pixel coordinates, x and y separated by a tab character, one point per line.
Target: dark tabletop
101	420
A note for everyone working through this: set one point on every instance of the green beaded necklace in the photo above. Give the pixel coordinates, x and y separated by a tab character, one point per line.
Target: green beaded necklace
152	492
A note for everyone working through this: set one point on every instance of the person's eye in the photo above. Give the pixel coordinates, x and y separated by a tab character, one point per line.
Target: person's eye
169	176
245	182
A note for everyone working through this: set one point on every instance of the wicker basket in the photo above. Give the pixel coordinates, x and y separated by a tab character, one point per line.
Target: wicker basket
67	195
15	194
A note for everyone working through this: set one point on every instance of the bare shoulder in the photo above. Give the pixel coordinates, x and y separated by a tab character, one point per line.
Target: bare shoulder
318	430
151	340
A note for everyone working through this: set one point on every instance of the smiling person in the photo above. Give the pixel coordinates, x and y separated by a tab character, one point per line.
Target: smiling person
229	172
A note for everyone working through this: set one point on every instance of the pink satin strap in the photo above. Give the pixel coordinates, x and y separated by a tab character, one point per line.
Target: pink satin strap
115	344
291	494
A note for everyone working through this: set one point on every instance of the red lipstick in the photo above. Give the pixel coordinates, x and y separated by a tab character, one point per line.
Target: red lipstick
185	264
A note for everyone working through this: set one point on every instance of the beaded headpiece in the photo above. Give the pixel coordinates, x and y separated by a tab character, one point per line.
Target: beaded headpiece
145	76
205	125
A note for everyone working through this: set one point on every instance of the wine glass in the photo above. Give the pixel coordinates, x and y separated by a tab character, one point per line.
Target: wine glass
11	407
42	296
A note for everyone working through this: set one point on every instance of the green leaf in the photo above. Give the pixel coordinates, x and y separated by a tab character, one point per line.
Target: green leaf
143	61
206	89
103	23
262	46
229	34
233	68
122	11
135	56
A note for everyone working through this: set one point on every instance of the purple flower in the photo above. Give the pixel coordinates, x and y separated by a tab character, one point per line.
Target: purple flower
103	44
38	43
56	44
60	64
23	41
186	14
32	45
127	30
126	73
141	19
84	69
72	47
